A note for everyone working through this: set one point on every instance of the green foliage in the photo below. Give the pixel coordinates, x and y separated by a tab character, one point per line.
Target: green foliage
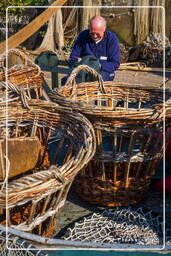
10	3
39	2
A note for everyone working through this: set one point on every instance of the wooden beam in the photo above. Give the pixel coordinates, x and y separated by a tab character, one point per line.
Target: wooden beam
31	28
144	69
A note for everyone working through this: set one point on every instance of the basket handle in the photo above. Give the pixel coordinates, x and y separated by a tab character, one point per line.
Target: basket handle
26	61
13	52
71	78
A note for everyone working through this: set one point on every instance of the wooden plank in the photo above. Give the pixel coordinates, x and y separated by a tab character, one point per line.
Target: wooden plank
125	67
145	78
32	27
23	153
62	63
54	77
55	69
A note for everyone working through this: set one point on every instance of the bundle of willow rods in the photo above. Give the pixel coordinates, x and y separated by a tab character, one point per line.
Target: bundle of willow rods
128	122
26	76
34	197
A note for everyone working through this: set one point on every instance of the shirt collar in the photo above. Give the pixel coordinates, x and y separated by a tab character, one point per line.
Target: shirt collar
105	35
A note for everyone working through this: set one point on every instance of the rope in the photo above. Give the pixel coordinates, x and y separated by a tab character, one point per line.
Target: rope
6	174
141	20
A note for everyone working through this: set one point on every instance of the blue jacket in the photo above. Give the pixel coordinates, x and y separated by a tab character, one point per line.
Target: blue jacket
106	51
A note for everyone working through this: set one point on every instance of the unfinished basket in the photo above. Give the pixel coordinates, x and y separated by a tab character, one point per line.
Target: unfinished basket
27	76
128	127
67	144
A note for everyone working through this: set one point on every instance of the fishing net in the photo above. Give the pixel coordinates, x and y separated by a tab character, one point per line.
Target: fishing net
118	226
17	247
152	51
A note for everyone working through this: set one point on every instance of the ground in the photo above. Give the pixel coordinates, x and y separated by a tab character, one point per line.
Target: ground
75	208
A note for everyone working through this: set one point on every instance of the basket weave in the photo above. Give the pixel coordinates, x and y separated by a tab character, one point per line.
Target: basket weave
26	76
35	197
8	93
128	125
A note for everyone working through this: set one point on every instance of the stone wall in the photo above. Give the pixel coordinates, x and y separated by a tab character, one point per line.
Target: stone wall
121	20
168	18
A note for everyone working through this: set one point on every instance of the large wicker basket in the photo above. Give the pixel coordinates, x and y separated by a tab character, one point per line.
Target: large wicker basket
128	122
27	76
35	196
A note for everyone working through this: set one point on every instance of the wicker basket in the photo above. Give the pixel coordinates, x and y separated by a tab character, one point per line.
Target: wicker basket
26	76
35	197
128	127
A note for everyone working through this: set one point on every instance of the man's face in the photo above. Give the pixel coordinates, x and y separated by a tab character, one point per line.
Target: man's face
96	32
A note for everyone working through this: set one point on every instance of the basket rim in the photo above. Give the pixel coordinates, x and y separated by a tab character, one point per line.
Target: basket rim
69	169
81	104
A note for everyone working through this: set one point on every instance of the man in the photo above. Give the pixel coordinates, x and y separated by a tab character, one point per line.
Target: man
101	43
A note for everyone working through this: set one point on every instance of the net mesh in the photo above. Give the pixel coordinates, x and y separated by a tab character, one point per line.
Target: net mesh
17	247
118	226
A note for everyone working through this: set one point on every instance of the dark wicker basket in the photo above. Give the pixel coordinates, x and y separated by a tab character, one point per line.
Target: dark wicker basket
35	196
128	122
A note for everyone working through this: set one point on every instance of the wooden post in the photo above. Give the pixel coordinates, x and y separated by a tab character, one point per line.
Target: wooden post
54	77
88	13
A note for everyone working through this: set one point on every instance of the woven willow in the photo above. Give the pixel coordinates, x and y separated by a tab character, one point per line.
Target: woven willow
9	92
26	77
128	125
108	99
35	197
17	246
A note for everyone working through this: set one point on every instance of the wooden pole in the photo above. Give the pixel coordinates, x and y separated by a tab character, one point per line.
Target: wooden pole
31	28
88	13
150	69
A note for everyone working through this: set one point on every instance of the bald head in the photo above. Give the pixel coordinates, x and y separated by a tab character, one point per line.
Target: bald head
97	27
98	21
